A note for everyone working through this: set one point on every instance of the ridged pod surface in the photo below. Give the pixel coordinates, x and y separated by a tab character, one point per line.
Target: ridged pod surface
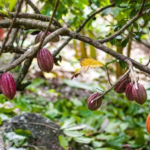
148	123
95	104
7	85
139	95
40	34
128	91
121	86
45	60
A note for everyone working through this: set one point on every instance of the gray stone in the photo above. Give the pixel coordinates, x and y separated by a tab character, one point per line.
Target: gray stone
44	132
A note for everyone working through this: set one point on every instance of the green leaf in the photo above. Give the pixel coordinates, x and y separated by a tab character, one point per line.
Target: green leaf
63	141
110	62
83	140
23	132
73	133
117	141
12	4
118	2
125	42
68	123
122	64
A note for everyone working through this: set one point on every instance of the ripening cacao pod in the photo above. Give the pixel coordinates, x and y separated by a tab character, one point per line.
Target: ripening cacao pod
94	105
139	95
45	60
40	34
120	87
7	85
128	91
148	123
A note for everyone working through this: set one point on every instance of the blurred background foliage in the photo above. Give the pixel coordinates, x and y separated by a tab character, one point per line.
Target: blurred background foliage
118	124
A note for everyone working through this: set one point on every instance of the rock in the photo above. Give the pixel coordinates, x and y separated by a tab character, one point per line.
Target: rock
44	132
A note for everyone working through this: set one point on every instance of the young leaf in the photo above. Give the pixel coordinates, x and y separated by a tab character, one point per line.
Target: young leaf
12	4
87	63
63	141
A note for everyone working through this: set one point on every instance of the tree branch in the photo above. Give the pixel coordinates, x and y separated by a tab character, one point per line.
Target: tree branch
31	16
125	26
143	2
102	95
33	6
107	50
12	49
11	27
49	25
29	61
32	50
27	24
12	37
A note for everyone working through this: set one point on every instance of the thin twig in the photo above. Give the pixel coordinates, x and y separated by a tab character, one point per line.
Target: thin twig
126	73
12	37
141	9
124	27
108	75
32	50
31	16
34	123
11	27
148	62
50	22
33	6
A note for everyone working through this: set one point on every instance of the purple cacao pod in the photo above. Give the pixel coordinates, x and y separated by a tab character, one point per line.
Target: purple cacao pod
7	85
45	60
40	34
94	105
120	87
139	95
128	91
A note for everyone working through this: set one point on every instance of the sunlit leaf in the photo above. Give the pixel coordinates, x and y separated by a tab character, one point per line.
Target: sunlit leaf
63	141
12	4
83	140
73	133
87	63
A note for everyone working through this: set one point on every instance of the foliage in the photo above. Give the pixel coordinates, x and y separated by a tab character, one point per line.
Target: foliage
117	123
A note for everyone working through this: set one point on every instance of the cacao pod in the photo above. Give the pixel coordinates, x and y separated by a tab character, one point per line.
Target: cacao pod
7	85
128	91
120	87
94	105
148	123
40	34
139	95
45	60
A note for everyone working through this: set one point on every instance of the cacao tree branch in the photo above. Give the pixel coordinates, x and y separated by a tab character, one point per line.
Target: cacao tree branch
49	25
107	50
11	27
143	3
125	26
12	49
126	73
12	37
29	61
33	6
32	50
27	24
31	16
